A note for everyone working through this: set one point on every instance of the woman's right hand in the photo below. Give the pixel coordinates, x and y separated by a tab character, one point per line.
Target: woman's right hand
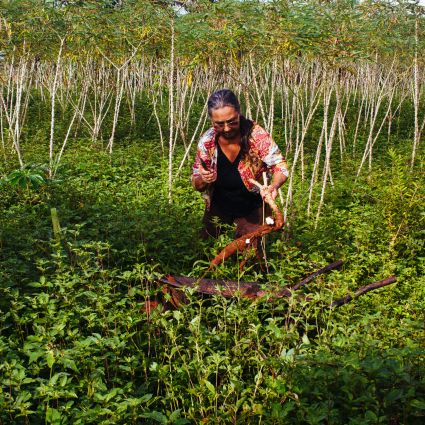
207	176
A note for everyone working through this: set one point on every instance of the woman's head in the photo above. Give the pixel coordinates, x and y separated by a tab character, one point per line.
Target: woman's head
224	111
222	98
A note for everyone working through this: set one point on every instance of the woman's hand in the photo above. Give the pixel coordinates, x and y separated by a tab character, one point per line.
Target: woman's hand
207	176
204	178
269	190
277	182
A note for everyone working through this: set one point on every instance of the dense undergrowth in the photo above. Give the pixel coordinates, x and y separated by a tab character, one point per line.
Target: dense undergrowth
77	346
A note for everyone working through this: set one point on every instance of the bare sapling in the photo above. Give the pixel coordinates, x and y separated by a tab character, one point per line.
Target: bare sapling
327	95
14	101
328	147
77	110
130	90
119	86
3	144
98	98
387	89
270	123
359	116
53	106
171	115
416	91
154	92
121	76
254	76
198	130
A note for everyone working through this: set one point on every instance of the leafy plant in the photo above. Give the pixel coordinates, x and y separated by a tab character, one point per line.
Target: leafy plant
31	176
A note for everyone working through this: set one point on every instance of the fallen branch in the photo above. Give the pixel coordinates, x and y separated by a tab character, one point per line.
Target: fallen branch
251	290
308	279
229	288
225	288
362	291
246	241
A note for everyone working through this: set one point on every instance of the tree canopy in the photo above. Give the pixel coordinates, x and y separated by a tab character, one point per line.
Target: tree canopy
334	31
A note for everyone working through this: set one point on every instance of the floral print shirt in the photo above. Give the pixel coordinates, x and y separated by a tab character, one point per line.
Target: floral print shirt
263	156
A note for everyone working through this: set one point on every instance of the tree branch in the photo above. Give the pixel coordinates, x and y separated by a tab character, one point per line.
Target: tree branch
362	291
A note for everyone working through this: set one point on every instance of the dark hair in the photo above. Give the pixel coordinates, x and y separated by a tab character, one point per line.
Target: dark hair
222	98
246	127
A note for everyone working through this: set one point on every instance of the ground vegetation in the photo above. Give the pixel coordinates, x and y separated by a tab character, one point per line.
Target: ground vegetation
101	106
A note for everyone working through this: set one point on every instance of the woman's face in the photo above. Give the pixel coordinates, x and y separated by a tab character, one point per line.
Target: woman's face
226	122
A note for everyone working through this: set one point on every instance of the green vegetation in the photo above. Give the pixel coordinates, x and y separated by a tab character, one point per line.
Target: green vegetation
100	113
78	347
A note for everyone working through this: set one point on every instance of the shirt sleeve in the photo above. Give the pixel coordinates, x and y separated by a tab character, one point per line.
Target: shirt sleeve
269	151
202	152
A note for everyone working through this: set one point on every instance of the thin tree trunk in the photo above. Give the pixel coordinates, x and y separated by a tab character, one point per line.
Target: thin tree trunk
53	102
417	134
3	145
327	165
58	158
120	90
202	119
171	109
257	90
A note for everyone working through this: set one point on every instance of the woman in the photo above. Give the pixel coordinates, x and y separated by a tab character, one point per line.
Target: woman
234	150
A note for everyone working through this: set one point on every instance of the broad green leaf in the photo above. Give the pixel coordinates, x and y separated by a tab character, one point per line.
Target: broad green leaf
53	416
156	416
50	358
210	387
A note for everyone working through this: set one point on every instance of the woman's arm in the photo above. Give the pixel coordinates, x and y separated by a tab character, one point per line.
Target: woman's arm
272	157
277	181
204	172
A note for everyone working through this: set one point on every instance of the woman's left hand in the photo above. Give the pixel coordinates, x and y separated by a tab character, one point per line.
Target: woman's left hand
269	190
